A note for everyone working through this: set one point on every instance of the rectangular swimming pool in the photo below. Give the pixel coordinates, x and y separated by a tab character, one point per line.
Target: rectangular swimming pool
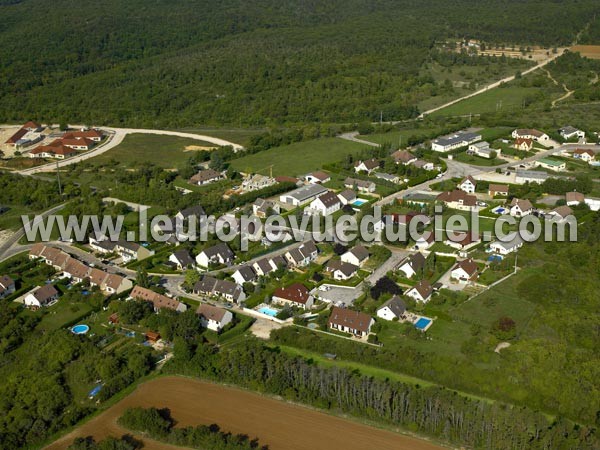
268	311
359	202
422	323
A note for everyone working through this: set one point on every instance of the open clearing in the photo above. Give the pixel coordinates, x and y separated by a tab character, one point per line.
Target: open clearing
589	51
280	425
164	151
502	97
298	158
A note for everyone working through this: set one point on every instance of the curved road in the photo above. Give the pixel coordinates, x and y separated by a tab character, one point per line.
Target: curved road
115	137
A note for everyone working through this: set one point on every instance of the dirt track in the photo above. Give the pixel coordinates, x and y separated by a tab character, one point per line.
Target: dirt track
279	425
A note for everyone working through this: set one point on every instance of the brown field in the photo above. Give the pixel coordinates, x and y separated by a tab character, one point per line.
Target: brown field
280	425
589	51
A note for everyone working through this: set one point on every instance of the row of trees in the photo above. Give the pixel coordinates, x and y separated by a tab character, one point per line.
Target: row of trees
159	425
430	410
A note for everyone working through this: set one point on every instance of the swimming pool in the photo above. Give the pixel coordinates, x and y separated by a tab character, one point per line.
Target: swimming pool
359	202
268	311
423	323
80	329
495	258
499	210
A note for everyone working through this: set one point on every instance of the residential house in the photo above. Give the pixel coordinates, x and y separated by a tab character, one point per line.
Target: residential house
366	166
403	157
302	195
457	140
507	246
425	165
425	241
262	208
412	265
214	318
393	309
130	251
341	270
7	286
158	301
520	208
574	198
265	266
458	199
76	270
468	185
587	155
523	144
294	295
182	259
531	176
302	255
462	240
244	274
206	177
421	291
560	213
225	289
115	284
42	296
569	132
347	196
465	271
325	204
526	133
217	254
348	321
317	177
360	185
257	182
498	190
357	255
551	164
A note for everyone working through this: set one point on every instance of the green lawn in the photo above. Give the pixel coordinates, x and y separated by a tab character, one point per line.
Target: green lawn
298	158
477	160
164	151
511	97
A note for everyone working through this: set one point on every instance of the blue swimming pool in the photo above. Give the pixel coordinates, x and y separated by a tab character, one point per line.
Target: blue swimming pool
268	311
422	323
95	391
359	202
80	329
495	258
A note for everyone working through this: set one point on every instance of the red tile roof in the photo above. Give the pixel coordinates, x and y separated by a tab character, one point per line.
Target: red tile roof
297	293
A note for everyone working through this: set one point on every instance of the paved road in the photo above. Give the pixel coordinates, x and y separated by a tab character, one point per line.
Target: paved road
352	136
115	137
11	246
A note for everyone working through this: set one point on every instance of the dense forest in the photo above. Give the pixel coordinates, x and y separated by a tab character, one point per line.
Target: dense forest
170	64
430	410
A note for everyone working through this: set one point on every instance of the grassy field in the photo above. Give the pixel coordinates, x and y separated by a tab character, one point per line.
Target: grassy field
164	151
298	158
509	97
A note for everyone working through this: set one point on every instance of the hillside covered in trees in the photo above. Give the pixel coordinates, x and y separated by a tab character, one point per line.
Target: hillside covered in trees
171	64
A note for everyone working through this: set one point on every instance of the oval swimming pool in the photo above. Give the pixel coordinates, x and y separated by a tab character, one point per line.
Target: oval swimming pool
80	329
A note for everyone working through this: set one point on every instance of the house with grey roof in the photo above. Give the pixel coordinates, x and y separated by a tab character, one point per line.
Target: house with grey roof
394	308
217	254
302	195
